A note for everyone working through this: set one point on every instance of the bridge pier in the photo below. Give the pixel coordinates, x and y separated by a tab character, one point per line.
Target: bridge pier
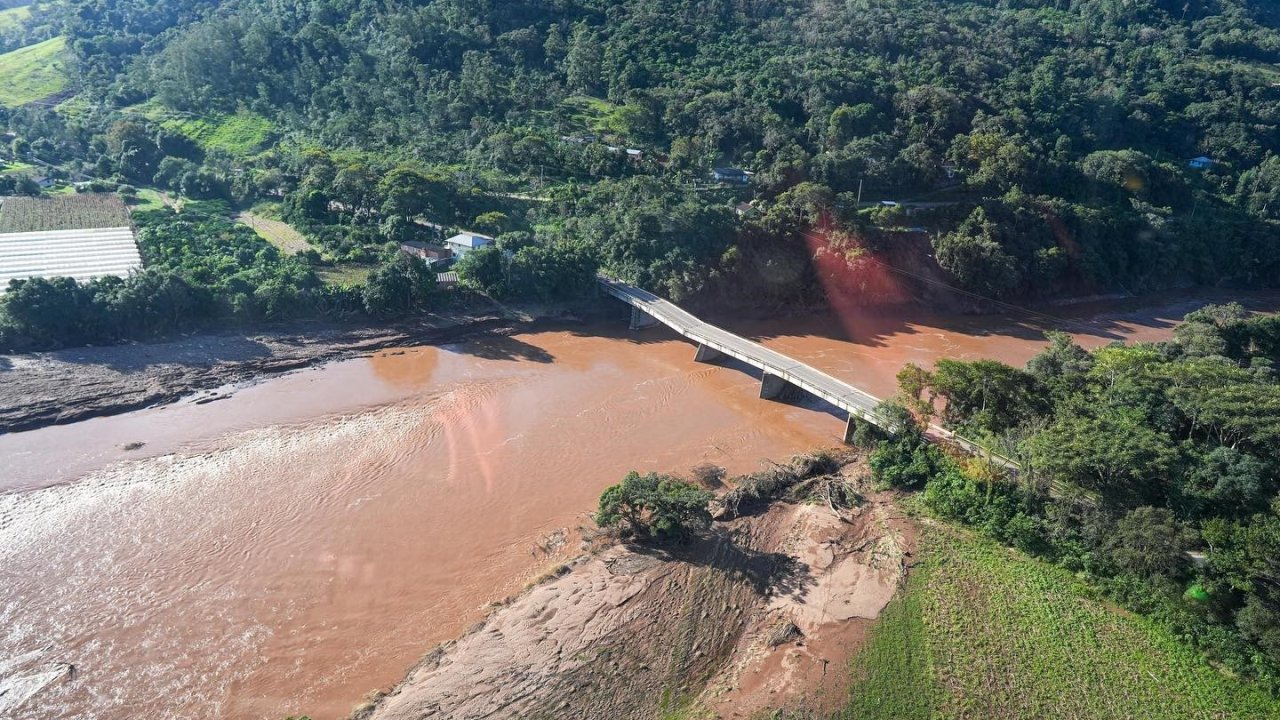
773	387
850	427
706	354
641	319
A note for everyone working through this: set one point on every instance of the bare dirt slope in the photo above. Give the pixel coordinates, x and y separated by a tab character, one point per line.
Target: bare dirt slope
737	622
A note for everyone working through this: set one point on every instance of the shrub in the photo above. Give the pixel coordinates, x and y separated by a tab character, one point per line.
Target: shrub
655	506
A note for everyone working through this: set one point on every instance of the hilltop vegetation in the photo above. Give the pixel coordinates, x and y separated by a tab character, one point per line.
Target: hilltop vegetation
1050	142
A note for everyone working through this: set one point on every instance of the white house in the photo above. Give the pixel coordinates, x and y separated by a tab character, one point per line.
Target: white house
463	243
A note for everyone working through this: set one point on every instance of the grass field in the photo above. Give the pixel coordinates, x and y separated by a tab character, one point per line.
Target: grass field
33	72
984	632
344	274
147	199
241	134
277	232
15	167
590	113
13	17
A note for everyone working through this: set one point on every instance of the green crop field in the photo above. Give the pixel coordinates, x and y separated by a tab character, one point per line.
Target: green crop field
984	632
13	17
33	72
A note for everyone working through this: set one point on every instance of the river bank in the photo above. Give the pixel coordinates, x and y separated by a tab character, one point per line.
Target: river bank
762	614
67	386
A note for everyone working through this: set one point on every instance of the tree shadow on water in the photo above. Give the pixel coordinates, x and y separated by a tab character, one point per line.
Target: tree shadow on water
504	347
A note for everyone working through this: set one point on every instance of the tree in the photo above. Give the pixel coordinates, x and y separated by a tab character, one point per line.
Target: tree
1148	543
1226	483
492	222
52	311
171	170
408	192
583	62
26	185
1063	365
654	506
849	122
1115	454
485	268
974	256
986	394
553	271
133	150
906	459
1213	330
1258	189
913	383
402	284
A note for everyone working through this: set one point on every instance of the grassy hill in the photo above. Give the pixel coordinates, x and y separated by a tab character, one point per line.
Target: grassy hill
12	17
239	134
33	72
985	632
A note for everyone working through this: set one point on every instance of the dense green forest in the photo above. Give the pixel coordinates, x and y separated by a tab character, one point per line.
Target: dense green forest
1151	469
1034	148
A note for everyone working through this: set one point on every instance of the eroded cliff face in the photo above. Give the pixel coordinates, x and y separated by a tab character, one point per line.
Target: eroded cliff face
763	613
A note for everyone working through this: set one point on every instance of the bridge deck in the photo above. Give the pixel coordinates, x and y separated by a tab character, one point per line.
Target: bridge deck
837	392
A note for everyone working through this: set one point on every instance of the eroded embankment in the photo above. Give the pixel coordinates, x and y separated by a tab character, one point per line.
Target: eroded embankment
761	613
76	384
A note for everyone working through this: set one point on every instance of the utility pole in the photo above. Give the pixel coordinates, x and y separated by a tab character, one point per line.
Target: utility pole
859	207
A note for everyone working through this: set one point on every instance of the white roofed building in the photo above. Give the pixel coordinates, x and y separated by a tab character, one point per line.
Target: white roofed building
463	243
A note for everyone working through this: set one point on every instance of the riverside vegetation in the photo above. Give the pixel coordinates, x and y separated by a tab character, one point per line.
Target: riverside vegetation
1149	478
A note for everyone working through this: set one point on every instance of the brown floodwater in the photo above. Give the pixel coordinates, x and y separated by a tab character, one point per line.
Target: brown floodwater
262	569
307	539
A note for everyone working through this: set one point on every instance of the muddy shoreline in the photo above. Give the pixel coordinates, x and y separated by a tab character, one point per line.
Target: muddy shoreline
66	386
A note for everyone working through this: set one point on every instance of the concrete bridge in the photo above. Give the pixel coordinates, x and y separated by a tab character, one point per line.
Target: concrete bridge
780	373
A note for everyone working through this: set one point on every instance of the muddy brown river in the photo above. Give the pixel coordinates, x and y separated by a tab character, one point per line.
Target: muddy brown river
304	541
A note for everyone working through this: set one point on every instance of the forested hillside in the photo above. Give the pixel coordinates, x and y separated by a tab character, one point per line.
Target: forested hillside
1031	148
